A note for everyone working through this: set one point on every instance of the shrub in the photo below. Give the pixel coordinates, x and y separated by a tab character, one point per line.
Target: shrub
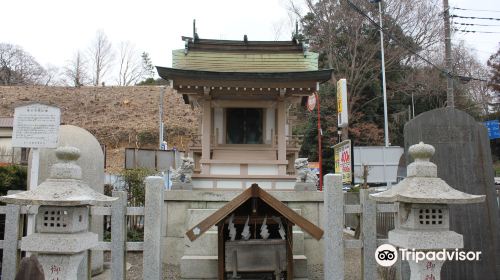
134	184
13	177
135	187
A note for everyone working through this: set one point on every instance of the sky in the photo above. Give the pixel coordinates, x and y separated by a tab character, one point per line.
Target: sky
53	30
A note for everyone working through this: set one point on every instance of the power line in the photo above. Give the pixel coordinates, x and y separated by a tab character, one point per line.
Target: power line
475	24
463	9
474	31
361	12
486	18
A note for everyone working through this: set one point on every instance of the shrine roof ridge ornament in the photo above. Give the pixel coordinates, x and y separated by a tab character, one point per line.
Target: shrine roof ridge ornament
243	45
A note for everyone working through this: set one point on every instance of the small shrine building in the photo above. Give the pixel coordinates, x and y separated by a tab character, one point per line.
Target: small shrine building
244	90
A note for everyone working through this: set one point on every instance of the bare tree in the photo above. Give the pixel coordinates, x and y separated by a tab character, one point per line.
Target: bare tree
75	72
494	80
277	29
51	75
100	56
131	69
466	65
147	66
350	42
18	67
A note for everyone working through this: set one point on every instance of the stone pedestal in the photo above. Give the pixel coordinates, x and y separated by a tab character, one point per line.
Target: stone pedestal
425	270
182	186
61	267
305	187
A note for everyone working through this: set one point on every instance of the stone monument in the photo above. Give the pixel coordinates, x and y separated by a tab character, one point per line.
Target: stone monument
181	177
91	161
61	237
423	215
464	159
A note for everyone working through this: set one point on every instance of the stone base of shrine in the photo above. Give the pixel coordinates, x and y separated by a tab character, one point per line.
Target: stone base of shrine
239	182
198	259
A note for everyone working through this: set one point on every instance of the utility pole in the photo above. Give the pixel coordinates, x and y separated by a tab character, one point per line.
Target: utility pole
386	121
450	100
162	93
384	90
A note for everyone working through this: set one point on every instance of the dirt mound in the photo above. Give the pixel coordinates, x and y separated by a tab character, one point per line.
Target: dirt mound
119	117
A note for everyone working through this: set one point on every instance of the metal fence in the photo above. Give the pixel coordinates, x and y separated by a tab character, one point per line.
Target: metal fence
159	160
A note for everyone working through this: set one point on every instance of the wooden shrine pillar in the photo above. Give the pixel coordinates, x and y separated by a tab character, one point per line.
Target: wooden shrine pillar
281	132
206	131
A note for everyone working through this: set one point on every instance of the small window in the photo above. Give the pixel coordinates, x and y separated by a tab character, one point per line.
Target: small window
244	125
430	219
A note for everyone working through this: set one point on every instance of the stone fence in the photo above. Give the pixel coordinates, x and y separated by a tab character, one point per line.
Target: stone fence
118	246
165	240
187	208
334	240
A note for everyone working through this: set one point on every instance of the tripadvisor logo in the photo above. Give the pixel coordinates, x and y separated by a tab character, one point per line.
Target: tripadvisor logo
386	255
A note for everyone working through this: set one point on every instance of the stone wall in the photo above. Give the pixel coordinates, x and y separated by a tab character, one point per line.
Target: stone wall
186	208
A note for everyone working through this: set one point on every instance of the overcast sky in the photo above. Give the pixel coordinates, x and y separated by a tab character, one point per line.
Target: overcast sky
53	30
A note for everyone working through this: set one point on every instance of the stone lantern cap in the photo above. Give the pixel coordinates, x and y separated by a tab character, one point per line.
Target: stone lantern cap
64	187
422	184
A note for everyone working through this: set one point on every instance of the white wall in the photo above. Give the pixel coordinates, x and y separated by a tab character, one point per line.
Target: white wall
219	124
270	124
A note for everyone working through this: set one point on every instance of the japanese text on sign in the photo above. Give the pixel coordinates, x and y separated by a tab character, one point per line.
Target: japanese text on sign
343	160
36	126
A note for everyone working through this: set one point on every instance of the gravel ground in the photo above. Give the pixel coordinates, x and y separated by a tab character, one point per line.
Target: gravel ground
134	267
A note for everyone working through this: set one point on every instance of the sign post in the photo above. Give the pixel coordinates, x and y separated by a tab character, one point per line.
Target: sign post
35	126
343	160
493	127
342	115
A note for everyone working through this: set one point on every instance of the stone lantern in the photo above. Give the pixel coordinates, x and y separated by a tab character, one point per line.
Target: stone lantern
422	223
62	235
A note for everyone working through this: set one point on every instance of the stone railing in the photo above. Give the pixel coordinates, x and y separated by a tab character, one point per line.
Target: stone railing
335	244
118	246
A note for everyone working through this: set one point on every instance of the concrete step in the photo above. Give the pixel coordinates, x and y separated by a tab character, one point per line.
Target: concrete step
300	266
298	242
205	245
199	267
205	267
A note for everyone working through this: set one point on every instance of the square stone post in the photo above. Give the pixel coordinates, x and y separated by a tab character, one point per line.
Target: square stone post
153	212
369	235
334	224
119	235
11	256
